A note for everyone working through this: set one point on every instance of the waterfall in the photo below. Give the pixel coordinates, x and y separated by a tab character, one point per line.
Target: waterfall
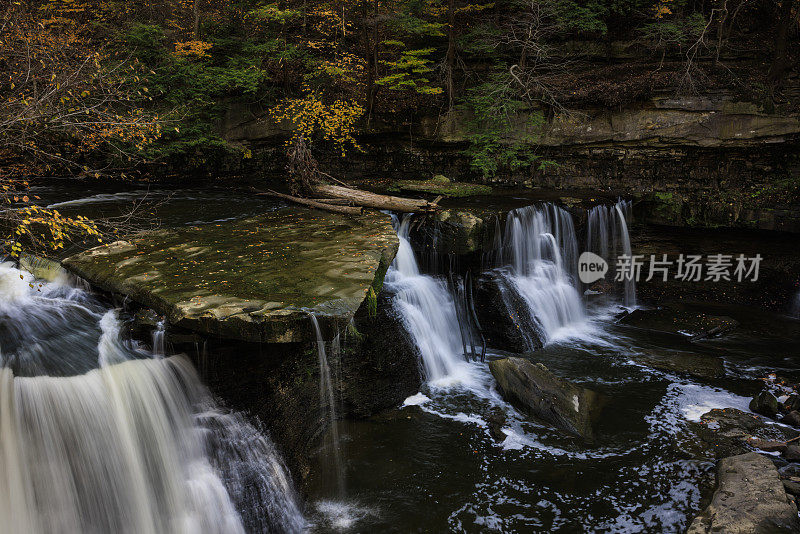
535	260
158	339
96	435
429	314
541	249
327	398
607	236
493	256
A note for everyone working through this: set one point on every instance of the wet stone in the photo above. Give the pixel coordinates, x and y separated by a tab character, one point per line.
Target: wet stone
767	445
543	395
683	362
750	498
252	280
791	487
728	431
765	403
792	453
792	418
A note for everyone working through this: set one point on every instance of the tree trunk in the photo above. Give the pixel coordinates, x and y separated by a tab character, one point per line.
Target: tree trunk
779	59
722	17
374	200
305	18
375	38
196	25
334	201
346	210
369	56
451	53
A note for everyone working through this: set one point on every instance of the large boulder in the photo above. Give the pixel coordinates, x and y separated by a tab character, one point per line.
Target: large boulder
750	499
541	394
250	280
504	316
380	361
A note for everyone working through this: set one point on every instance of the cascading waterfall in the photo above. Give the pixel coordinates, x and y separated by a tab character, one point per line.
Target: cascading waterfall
158	339
429	314
327	398
535	260
541	249
607	236
98	436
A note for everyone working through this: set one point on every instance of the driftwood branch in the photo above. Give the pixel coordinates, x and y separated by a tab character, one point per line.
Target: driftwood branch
346	210
374	200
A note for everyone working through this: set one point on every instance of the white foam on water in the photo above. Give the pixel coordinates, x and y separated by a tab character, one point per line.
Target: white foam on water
342	516
694	400
109	347
417	399
98	198
15	285
460	417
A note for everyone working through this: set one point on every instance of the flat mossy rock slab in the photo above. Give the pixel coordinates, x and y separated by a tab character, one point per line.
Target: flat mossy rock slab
440	187
253	280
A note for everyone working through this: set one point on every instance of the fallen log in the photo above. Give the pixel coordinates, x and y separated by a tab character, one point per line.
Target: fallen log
336	201
347	210
374	200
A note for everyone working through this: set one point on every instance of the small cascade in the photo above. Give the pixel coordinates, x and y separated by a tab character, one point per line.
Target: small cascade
472	340
96	435
252	471
429	314
607	236
328	399
541	250
158	339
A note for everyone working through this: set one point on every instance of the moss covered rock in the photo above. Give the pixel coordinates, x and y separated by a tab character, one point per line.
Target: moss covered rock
252	280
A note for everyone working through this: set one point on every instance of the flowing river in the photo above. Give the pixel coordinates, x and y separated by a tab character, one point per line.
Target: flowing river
98	434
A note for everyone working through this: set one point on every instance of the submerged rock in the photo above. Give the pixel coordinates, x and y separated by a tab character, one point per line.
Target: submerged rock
252	280
541	394
750	498
496	420
678	321
688	363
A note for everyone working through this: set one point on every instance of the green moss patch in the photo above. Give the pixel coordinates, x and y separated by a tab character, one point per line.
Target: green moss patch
437	186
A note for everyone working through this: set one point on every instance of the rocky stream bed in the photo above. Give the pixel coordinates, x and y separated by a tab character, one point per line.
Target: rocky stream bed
441	393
